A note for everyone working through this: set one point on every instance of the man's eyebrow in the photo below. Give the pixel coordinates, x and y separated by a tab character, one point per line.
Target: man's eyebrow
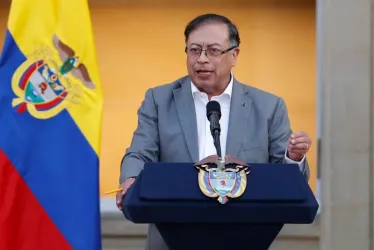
208	45
214	44
196	44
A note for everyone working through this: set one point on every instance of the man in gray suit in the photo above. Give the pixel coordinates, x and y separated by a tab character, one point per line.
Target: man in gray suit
172	123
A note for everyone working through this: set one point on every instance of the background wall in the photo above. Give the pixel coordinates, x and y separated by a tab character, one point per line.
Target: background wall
142	45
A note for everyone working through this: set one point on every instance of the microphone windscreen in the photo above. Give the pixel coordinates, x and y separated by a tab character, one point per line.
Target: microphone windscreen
213	106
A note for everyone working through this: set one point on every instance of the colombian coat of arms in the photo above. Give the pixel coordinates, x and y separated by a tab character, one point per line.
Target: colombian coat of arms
222	178
44	86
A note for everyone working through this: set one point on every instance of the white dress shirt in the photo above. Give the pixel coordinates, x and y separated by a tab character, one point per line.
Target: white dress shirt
206	143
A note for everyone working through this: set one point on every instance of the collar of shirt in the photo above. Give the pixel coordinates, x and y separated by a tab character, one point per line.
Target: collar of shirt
227	92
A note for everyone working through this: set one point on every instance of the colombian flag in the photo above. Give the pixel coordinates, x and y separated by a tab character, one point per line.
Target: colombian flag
50	123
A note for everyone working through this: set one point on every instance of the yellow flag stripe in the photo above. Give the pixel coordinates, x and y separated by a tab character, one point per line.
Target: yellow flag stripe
37	23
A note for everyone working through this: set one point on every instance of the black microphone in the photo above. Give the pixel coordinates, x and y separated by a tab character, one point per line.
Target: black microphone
213	113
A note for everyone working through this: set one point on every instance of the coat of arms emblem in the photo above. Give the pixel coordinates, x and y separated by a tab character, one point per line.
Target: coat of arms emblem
44	87
222	178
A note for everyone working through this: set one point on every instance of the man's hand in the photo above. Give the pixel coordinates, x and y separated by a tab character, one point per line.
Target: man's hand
298	145
119	196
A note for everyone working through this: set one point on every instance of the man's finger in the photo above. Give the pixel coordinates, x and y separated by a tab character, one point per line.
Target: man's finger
119	201
299	146
119	196
295	150
124	190
119	205
299	140
302	146
298	134
300	152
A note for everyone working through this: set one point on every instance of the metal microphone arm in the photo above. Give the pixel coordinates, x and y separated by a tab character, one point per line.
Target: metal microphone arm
217	143
215	129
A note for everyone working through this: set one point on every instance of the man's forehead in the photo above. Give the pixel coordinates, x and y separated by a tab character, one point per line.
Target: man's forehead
209	34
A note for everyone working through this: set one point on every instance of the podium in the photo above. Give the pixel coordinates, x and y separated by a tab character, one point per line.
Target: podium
168	195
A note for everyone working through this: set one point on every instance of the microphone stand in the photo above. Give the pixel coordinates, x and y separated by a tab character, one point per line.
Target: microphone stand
217	143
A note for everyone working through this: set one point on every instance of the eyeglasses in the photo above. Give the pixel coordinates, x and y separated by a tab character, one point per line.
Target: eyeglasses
211	51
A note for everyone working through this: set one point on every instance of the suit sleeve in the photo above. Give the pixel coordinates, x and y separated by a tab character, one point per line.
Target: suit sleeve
279	133
144	146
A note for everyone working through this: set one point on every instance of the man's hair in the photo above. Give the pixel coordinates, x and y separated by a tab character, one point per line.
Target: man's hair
213	18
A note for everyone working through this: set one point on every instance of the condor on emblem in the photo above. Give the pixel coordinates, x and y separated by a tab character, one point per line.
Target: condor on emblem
44	87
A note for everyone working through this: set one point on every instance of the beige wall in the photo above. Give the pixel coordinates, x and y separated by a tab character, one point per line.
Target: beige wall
141	45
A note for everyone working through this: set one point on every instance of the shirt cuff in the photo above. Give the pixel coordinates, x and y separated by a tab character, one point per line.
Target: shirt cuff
289	161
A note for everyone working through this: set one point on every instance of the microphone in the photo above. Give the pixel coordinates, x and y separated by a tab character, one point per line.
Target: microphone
213	113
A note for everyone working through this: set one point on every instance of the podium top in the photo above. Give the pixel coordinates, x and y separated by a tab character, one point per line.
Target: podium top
170	193
265	183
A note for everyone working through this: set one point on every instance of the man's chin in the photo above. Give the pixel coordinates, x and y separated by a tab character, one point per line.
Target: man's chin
204	84
209	81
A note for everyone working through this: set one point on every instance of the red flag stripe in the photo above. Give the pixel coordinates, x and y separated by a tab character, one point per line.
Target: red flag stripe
24	225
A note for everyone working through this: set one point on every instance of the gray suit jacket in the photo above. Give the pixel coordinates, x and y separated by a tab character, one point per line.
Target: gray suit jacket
258	132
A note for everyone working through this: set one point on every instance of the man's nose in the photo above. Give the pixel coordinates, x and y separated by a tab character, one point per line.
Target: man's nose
203	58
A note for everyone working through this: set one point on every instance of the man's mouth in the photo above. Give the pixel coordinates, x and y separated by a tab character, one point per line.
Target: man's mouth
204	72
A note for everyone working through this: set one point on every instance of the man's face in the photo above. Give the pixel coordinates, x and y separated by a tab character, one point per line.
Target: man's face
210	71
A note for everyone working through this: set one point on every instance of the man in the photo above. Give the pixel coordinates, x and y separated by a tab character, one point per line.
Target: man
173	127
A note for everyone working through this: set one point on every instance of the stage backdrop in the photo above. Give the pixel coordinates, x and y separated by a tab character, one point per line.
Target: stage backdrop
142	45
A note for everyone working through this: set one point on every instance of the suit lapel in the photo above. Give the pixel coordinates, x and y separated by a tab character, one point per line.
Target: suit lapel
240	109
187	116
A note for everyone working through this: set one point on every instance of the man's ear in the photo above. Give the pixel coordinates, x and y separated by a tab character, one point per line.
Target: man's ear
235	55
